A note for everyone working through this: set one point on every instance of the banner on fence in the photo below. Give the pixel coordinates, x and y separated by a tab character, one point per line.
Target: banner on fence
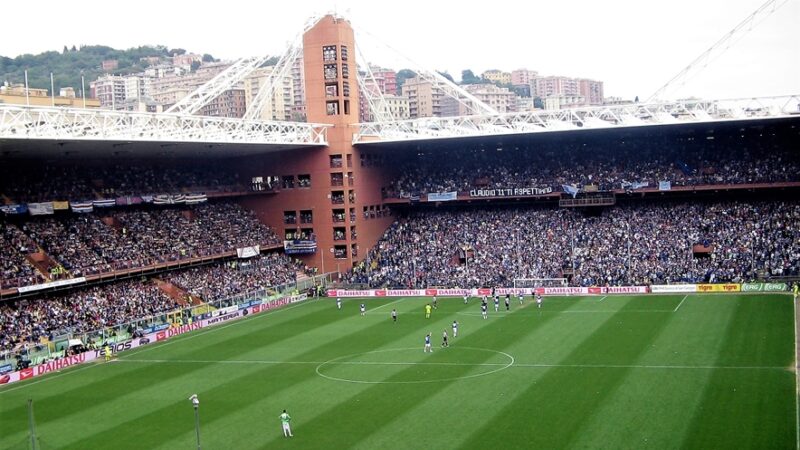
673	288
442	196
763	287
52	284
726	287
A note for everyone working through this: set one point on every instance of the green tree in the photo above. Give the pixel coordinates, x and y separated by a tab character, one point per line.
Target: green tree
467	77
446	75
208	58
402	76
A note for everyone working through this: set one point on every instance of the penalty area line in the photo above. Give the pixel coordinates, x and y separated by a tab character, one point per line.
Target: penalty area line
681	303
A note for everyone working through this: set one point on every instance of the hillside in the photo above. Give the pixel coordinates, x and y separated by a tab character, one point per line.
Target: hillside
68	65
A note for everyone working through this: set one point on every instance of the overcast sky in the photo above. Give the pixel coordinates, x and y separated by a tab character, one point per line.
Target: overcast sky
634	46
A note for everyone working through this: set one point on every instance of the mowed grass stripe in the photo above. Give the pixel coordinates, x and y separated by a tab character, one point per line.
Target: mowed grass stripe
305	391
227	395
750	409
564	398
471	404
337	432
58	403
693	338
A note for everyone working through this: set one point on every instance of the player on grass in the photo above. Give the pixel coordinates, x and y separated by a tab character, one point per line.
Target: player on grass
521	298
444	339
427	348
496	303
455	328
107	352
363	309
466	298
338	303
428	311
394	315
285	419
796	290
538	300
483	311
508	303
435	305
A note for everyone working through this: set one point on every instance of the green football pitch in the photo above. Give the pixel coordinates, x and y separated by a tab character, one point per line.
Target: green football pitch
658	371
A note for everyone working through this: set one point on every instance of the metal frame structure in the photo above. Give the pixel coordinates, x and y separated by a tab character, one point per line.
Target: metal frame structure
592	118
727	41
27	122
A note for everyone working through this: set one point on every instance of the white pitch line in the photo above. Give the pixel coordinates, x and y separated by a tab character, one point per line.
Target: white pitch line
796	379
602	298
385	304
679	304
423	363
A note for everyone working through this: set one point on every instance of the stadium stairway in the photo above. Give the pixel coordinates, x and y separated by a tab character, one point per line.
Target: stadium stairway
174	292
42	262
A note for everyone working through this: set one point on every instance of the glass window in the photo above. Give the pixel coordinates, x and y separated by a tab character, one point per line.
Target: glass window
331	72
329	53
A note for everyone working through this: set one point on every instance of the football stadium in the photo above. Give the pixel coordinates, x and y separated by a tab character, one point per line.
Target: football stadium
618	276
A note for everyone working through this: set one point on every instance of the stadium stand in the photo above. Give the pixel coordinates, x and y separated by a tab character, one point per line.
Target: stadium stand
632	244
26	321
605	165
94	243
35	182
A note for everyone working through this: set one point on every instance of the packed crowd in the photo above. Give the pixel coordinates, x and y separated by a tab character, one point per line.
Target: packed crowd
225	279
15	269
605	166
101	306
42	182
626	245
86	244
79	311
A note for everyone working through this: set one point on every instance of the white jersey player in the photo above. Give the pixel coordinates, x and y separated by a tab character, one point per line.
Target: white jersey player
338	303
521	298
455	328
538	300
363	309
466	298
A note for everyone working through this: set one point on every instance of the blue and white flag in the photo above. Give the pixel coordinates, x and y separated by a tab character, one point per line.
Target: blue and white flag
40	209
82	207
165	199
104	203
664	185
14	209
192	199
571	190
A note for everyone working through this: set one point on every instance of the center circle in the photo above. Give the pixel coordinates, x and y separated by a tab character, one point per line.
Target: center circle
412	366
